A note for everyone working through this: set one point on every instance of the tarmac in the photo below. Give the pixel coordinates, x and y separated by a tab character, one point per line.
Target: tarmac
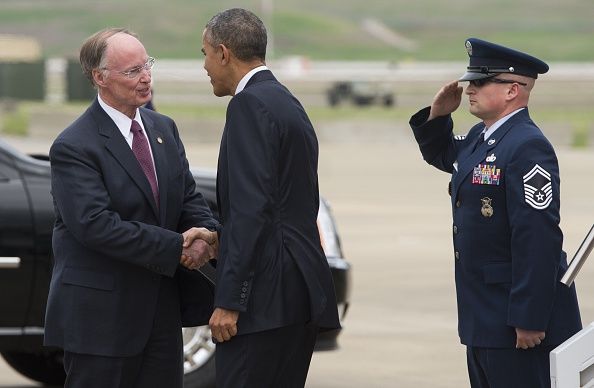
393	215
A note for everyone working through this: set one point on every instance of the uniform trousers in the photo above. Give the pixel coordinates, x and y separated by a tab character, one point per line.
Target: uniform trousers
268	359
160	365
509	368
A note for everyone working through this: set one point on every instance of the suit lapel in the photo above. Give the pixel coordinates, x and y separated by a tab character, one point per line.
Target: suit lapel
121	151
161	167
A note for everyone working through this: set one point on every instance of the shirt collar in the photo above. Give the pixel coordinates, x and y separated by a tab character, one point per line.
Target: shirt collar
247	77
489	131
122	121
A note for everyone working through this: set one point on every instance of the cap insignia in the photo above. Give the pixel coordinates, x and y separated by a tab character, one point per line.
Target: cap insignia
468	47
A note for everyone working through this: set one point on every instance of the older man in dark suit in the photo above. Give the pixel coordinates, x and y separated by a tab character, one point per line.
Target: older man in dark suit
123	194
274	288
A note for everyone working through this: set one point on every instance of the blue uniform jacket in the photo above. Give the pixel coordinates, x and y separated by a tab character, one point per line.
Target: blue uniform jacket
507	240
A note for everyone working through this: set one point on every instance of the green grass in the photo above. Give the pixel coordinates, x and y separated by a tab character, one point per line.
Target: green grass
578	122
330	29
580	135
15	122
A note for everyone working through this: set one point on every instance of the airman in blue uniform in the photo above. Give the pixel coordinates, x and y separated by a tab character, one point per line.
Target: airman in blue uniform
512	309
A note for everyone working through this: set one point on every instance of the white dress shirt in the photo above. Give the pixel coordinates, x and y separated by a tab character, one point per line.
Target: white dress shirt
124	123
247	77
489	131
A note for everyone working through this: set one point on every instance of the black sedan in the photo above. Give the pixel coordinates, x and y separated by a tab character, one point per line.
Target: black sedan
26	222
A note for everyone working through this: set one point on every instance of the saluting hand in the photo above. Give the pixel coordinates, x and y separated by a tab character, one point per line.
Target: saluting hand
528	338
446	101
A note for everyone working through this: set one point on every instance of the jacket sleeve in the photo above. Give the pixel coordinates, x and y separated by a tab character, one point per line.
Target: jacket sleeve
435	139
532	185
250	145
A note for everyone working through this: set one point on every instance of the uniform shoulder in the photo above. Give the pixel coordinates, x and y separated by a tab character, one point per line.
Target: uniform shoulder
530	133
528	140
525	130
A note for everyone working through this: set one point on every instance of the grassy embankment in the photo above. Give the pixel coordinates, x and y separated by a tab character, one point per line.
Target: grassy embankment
555	31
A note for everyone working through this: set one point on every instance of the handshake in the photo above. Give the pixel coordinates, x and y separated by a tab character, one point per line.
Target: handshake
200	245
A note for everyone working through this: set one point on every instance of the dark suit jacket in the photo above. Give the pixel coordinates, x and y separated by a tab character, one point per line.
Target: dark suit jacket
271	264
508	262
112	245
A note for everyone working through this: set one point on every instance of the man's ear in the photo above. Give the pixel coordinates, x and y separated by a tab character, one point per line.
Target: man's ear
225	54
513	91
98	77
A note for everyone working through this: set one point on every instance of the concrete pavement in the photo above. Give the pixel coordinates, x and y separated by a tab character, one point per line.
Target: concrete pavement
393	214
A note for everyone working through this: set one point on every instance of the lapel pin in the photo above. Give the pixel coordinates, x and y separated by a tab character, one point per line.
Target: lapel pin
491	158
491	142
159	140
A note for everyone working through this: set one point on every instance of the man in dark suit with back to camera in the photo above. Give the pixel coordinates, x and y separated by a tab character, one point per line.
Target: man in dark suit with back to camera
512	309
274	287
123	193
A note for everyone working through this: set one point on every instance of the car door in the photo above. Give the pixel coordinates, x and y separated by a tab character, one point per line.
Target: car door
35	173
16	248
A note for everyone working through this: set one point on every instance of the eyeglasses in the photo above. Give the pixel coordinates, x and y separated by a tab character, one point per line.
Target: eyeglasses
135	72
479	83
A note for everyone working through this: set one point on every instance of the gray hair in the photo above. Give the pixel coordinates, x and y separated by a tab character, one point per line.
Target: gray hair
92	52
239	30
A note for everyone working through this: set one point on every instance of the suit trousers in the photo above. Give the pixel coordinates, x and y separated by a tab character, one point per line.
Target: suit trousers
509	368
269	359
160	365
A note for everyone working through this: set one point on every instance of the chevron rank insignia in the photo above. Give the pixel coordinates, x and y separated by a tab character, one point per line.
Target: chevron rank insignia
459	137
538	191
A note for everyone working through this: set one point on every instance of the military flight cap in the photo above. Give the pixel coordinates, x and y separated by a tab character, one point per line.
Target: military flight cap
489	59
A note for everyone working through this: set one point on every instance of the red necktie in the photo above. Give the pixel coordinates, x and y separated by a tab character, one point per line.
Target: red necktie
141	150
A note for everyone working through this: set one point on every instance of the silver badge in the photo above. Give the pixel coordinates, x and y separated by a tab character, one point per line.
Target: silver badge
491	158
486	209
538	190
468	48
491	141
